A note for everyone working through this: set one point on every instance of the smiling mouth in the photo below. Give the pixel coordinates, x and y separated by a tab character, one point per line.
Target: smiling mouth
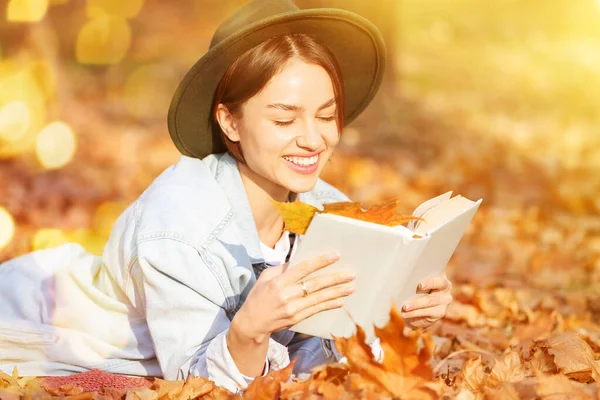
302	161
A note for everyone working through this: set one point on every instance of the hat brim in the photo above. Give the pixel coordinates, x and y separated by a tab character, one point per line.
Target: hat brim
355	41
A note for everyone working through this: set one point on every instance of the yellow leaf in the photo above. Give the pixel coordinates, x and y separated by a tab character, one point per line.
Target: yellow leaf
103	40
296	215
26	10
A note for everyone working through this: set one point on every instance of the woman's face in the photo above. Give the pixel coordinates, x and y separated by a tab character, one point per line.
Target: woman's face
288	131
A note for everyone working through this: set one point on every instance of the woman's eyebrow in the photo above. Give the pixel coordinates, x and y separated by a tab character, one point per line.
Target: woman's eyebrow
294	107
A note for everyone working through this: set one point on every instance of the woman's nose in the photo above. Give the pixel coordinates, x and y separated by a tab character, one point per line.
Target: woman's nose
311	138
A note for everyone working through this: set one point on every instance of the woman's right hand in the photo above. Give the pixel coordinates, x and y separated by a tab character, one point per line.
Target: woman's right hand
277	300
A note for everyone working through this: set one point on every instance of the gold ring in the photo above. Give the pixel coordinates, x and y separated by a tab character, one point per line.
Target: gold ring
304	290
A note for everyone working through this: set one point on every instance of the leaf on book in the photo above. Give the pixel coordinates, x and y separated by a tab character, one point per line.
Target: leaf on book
298	215
383	214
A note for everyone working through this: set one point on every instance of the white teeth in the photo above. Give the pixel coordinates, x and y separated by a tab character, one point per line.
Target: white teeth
303	161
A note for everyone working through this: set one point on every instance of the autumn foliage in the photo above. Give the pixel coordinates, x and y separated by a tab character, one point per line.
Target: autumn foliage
495	100
298	215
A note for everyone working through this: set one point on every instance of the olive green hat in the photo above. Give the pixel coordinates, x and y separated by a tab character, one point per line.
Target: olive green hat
355	42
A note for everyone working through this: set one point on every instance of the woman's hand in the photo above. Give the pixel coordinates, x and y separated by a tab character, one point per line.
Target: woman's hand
424	311
277	300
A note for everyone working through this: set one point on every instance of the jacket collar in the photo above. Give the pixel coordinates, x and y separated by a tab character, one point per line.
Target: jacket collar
229	178
227	174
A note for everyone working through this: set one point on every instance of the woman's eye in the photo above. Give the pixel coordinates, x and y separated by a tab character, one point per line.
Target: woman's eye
331	118
283	123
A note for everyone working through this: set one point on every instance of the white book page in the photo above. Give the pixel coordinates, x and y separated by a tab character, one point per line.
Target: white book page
441	213
368	250
427	205
443	241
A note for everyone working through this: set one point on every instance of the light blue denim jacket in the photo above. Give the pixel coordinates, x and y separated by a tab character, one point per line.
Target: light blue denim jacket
177	267
184	255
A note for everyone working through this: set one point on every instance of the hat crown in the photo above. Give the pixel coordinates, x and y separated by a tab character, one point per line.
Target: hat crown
252	12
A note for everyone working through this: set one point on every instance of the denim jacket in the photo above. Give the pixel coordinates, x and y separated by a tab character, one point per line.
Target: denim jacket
178	265
184	254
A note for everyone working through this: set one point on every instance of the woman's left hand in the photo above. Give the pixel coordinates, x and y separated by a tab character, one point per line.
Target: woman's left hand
424	311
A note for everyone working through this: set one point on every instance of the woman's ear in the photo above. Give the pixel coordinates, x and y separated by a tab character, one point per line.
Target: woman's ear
227	122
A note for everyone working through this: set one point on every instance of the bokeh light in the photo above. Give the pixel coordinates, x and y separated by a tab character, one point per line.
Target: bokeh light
26	10
55	145
125	9
14	121
103	40
7	227
48	238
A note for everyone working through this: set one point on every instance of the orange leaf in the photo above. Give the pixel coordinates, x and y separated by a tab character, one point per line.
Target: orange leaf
296	215
269	387
405	369
383	214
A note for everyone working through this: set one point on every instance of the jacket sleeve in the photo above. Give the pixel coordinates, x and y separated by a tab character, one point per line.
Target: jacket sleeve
183	304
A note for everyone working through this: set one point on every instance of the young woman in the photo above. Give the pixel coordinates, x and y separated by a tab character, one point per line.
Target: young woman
193	279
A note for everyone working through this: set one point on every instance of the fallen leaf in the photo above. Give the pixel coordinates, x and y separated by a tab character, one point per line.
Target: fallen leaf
269	387
141	394
570	355
508	369
474	375
195	387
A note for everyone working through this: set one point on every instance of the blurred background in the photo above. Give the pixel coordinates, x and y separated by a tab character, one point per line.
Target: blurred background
498	100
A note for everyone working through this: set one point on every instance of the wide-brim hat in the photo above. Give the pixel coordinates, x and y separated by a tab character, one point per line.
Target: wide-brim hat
356	43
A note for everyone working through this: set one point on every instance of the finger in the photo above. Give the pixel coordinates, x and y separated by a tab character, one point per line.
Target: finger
437	283
430	300
311	310
307	267
324	281
324	295
431	313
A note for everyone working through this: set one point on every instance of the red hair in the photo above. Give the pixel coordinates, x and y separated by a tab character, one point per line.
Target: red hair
251	72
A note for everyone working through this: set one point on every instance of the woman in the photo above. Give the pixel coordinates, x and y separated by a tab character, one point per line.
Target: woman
193	277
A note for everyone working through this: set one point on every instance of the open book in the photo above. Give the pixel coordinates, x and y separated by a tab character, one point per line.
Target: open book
389	262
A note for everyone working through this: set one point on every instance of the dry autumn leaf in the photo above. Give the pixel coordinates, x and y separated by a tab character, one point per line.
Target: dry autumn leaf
269	387
405	371
297	215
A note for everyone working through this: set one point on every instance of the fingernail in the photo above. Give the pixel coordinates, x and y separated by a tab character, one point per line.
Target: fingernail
350	276
334	256
423	286
406	307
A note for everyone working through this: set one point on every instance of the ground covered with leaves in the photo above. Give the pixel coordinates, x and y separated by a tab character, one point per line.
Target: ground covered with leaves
493	100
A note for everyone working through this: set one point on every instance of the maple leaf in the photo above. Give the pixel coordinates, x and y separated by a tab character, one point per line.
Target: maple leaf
195	387
570	353
508	369
474	374
383	214
170	389
269	387
405	369
549	386
298	215
144	393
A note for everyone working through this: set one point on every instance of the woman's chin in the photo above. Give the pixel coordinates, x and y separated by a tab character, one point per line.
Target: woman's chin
301	184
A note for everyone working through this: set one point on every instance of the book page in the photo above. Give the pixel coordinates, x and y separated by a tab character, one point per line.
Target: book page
443	242
442	213
367	249
426	205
